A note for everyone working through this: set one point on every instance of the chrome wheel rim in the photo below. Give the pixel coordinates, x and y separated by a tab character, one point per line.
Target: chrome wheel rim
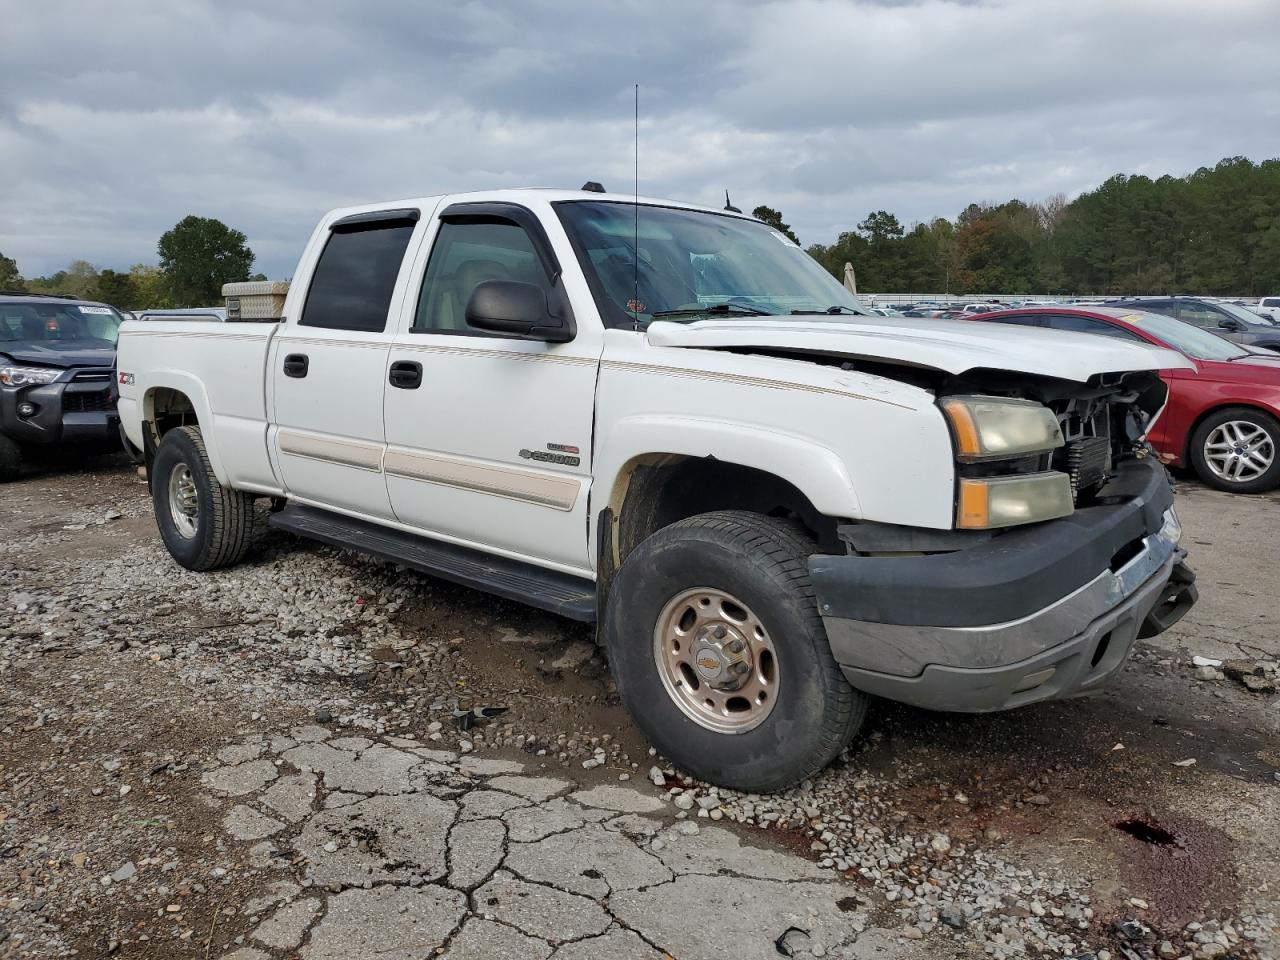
184	503
716	660
1239	451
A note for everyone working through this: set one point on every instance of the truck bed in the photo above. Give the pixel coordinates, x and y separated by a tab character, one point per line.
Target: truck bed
222	369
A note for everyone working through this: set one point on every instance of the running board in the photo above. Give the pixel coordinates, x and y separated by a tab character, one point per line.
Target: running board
559	593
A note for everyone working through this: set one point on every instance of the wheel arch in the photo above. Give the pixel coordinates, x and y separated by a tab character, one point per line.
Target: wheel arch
656	473
177	399
1218	407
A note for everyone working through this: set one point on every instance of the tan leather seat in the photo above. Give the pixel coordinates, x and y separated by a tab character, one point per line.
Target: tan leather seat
452	307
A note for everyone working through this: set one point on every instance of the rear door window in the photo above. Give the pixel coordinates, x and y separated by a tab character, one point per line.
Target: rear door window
1067	321
1166	307
356	275
1199	314
1020	320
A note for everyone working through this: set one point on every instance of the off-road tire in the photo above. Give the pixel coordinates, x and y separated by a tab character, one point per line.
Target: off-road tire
226	523
762	561
10	459
1196	455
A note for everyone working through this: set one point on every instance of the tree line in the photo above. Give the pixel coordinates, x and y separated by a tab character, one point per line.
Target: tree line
1213	232
197	256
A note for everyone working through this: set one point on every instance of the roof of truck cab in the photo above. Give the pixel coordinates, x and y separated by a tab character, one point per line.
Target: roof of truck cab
522	195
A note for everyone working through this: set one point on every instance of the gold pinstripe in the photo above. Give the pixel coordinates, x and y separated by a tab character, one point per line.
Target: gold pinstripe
510	482
623	365
694	374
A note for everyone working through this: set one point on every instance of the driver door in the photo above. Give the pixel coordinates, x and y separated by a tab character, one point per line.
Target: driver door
489	435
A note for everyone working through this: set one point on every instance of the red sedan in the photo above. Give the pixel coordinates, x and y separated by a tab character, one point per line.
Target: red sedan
1223	418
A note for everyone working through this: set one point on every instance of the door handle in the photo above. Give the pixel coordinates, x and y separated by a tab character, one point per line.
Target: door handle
295	365
406	374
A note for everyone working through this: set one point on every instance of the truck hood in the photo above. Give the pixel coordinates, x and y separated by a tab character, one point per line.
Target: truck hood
60	353
952	346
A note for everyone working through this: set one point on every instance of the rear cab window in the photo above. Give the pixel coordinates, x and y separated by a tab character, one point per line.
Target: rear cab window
355	277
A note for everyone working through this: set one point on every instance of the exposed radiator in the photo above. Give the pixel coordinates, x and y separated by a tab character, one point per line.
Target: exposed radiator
1088	460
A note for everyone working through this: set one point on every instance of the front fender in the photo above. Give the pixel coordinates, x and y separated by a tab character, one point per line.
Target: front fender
813	469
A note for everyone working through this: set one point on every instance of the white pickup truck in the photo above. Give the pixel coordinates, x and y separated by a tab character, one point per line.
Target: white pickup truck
671	420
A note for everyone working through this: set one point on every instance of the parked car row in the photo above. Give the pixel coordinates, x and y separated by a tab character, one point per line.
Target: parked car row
1223	414
1236	323
1209	310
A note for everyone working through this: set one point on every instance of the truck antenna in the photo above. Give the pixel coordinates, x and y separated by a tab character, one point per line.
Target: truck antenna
635	250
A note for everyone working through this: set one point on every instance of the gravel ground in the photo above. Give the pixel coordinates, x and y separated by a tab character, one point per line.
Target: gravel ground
177	751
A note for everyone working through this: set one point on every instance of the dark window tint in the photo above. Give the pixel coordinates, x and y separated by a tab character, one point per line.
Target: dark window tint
352	285
465	255
1199	314
58	321
1025	320
1088	325
1165	307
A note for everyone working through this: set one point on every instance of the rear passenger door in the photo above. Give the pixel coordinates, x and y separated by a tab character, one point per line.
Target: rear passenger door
489	435
328	368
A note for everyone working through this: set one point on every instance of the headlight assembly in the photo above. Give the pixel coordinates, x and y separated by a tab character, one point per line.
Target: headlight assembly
992	428
1008	501
27	376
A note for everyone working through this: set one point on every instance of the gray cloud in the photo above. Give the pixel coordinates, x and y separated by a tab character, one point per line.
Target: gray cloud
117	120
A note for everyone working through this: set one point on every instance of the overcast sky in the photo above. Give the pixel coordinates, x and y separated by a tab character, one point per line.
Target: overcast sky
117	119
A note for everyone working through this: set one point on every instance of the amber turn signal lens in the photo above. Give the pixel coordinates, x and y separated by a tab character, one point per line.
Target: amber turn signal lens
974	512
985	503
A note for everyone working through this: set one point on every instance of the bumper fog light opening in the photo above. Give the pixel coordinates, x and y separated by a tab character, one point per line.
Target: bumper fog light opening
26	409
1033	680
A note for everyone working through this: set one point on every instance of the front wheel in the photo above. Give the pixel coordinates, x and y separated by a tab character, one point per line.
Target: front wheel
203	524
717	649
1237	449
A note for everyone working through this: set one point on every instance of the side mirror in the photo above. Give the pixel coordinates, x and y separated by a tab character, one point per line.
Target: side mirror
517	309
1227	323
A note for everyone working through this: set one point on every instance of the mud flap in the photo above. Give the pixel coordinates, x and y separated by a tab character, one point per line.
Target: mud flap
1179	596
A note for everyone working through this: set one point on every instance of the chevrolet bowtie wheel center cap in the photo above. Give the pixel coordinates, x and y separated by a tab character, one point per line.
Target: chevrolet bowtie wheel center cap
716	660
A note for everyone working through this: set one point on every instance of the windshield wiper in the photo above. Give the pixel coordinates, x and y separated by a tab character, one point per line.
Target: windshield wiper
728	306
829	310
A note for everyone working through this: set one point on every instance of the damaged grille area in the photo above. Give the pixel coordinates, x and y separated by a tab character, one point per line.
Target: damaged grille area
1103	422
1088	463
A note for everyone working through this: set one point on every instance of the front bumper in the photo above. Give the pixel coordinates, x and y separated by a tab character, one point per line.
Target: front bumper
972	630
78	410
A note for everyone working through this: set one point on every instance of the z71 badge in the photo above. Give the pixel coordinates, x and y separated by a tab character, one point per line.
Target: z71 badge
564	454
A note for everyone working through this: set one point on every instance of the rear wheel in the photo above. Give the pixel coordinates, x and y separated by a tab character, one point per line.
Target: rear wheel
1237	449
203	524
10	459
716	646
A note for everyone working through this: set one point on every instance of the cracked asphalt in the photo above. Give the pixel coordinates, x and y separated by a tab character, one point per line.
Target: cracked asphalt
265	762
389	847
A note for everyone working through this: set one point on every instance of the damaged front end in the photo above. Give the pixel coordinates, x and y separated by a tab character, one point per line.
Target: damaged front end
1103	422
1064	551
